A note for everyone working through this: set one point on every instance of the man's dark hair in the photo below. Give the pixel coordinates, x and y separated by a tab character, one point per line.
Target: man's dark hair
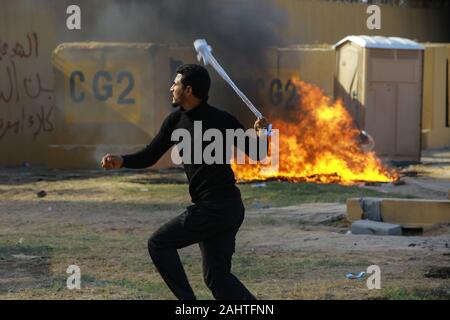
197	77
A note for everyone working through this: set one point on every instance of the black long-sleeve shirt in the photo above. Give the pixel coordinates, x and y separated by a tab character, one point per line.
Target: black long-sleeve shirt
206	181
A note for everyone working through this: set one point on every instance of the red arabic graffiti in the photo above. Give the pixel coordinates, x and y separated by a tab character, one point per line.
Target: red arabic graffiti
24	91
37	122
31	85
20	50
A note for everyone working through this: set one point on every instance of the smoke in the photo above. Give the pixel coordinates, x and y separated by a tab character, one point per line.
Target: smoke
238	30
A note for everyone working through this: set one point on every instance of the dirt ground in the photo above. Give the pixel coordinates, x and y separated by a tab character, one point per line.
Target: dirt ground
430	179
292	245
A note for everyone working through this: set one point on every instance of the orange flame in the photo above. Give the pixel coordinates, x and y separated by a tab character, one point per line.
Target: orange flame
321	145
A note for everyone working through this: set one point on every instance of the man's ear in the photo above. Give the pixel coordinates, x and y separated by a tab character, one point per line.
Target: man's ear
189	90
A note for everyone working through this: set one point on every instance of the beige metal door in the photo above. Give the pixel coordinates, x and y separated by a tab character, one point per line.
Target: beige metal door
381	117
408	119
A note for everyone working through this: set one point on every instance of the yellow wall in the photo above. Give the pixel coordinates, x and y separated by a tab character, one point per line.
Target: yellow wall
410	213
27	120
312	64
111	97
31	119
315	21
434	130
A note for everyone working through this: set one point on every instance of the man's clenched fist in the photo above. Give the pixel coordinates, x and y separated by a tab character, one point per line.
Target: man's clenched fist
110	161
260	124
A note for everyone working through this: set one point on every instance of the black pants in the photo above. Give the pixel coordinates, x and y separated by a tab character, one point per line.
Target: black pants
213	225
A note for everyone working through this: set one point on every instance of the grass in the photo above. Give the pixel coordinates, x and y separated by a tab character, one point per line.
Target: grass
279	194
416	293
125	271
116	266
132	190
102	224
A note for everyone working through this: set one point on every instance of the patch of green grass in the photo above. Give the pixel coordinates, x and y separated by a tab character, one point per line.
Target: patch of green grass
112	252
391	293
275	194
279	194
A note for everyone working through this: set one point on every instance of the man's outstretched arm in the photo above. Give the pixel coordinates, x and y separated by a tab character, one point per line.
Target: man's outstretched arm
145	157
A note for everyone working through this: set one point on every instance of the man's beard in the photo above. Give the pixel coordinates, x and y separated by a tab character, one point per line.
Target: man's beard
176	104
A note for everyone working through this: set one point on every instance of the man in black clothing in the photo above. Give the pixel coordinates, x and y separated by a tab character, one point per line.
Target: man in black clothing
217	211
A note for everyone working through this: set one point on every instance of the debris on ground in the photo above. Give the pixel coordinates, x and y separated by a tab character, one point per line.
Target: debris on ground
398	182
259	185
41	194
355	276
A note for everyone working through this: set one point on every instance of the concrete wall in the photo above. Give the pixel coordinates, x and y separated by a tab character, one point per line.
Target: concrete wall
312	21
275	91
436	96
31	119
104	94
